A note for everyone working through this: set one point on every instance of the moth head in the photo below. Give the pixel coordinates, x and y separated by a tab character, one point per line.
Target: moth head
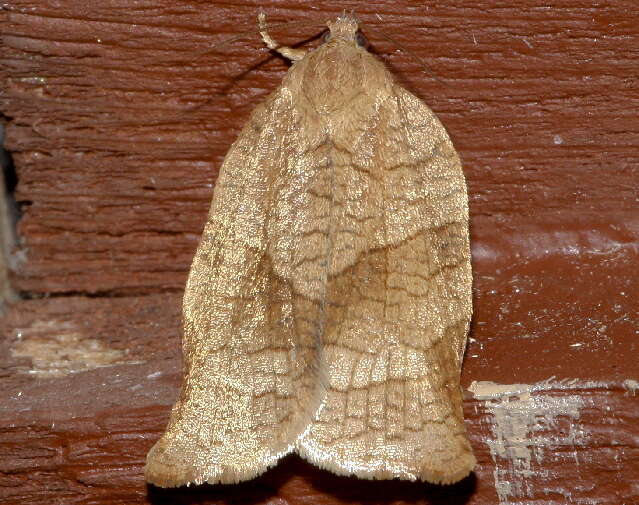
345	28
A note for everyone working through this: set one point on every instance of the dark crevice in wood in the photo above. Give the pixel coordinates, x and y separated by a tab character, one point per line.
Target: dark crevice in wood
27	295
8	167
9	216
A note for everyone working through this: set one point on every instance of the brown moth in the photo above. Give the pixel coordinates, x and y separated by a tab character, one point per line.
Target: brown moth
328	303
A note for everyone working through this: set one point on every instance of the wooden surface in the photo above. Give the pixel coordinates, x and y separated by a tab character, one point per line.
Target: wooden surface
117	124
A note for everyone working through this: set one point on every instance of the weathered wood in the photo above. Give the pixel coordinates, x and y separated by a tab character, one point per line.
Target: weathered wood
117	125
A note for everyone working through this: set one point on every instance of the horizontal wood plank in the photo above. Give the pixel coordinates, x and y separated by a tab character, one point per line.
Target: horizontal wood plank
119	122
550	378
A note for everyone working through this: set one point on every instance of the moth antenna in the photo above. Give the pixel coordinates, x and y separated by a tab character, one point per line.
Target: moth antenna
290	53
425	67
244	35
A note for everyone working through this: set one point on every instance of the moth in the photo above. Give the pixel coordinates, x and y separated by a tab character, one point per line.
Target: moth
328	303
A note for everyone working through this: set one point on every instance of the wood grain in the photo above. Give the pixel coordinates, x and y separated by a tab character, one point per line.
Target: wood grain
117	126
90	445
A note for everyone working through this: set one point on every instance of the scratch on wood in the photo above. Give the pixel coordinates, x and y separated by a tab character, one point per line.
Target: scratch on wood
631	385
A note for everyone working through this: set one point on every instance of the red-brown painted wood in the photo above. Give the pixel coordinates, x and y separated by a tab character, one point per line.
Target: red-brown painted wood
117	124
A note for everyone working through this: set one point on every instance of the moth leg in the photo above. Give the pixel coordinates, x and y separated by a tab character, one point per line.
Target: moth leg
286	51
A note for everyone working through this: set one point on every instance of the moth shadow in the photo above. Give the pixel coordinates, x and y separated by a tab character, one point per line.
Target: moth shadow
254	492
261	60
378	492
294	480
267	488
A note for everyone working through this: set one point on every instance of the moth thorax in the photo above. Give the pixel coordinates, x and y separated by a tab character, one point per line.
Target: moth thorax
334	78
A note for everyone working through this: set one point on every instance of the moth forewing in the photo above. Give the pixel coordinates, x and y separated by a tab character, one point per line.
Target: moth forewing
328	303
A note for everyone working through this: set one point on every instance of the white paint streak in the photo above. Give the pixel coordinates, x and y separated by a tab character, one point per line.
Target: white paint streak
631	385
524	428
58	348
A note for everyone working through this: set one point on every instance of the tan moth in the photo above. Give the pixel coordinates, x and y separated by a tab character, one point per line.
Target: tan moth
328	303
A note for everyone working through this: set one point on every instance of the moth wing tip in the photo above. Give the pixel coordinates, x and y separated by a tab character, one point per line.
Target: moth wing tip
182	466
441	474
171	476
457	470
